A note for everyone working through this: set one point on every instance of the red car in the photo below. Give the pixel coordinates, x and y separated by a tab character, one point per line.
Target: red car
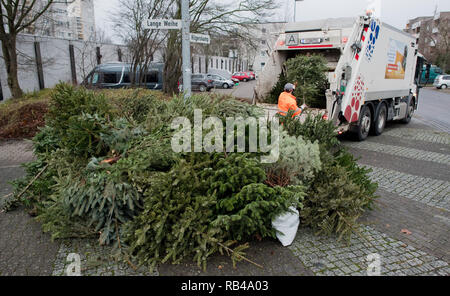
241	76
252	75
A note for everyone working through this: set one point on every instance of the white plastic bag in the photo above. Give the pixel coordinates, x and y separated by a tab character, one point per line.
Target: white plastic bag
287	225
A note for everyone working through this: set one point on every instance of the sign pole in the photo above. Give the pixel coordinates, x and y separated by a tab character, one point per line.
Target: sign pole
186	49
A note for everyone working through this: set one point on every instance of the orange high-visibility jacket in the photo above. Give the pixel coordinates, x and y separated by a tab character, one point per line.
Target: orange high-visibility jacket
287	102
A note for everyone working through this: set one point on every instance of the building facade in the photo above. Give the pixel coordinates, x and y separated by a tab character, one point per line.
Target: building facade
266	36
73	19
433	36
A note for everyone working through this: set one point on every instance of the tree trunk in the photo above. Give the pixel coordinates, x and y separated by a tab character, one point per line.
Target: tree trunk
10	57
172	64
172	59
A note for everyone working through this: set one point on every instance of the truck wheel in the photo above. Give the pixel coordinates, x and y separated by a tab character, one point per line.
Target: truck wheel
364	124
380	121
409	113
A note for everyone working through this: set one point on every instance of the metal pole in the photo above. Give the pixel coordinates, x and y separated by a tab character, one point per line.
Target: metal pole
295	9
186	49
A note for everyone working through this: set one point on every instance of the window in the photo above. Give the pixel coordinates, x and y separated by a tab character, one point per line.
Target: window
126	78
263	42
262	65
446	78
263	53
217	63
151	77
110	78
264	30
95	78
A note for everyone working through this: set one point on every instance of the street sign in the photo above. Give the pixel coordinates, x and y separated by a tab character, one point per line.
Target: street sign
161	24
200	38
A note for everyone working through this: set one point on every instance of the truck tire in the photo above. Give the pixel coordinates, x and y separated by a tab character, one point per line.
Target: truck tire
380	119
364	123
409	113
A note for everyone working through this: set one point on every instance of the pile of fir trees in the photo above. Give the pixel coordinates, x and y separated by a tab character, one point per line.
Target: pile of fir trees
105	168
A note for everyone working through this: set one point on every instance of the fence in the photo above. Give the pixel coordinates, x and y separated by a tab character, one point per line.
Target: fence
46	61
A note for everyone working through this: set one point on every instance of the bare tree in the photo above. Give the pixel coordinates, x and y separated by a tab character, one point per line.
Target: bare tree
441	41
16	16
129	23
212	17
86	53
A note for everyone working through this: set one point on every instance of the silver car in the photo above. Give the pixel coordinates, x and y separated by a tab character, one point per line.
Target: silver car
442	81
220	82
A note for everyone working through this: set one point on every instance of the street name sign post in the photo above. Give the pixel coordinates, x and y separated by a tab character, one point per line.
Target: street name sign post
186	49
183	24
200	38
161	24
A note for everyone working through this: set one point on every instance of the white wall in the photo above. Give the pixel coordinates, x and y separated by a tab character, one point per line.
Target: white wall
56	61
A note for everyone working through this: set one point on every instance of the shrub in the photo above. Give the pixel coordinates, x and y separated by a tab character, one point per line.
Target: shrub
314	129
175	222
102	196
337	197
298	163
309	74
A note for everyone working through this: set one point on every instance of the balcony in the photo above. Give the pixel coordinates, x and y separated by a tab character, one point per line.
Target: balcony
435	30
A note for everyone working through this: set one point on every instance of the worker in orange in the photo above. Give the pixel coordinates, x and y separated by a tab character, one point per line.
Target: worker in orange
288	102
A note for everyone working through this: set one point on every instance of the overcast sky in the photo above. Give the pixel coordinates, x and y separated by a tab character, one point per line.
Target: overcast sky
393	12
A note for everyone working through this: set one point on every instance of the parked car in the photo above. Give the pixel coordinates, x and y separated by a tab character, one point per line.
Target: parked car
220	82
241	76
200	82
442	81
118	75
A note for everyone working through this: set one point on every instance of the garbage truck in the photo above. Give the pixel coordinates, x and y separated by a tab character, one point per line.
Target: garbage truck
374	70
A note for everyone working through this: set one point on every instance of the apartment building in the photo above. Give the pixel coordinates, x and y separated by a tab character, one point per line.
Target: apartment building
266	36
432	33
70	19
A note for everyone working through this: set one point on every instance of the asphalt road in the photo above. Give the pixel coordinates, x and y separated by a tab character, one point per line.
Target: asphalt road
434	108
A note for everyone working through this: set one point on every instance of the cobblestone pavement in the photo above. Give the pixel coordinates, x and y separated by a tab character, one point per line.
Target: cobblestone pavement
410	163
327	256
426	190
95	260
